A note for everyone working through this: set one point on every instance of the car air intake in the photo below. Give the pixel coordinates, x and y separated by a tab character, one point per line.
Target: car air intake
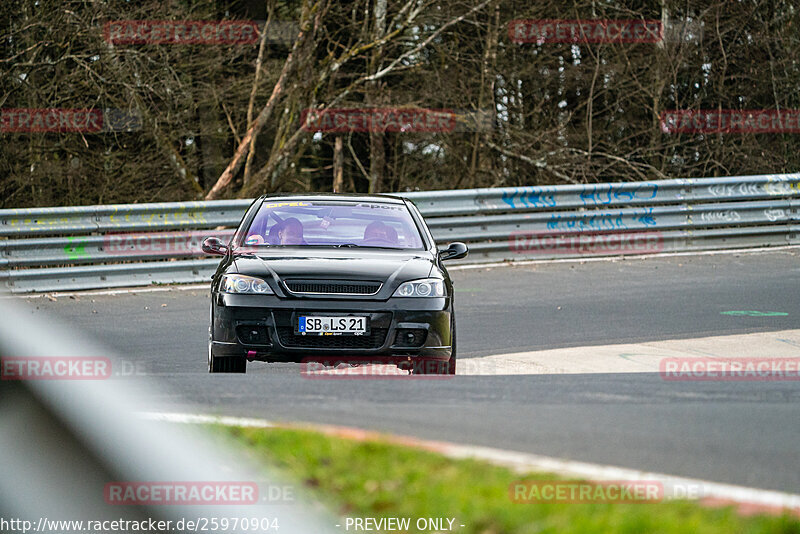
335	287
251	334
410	337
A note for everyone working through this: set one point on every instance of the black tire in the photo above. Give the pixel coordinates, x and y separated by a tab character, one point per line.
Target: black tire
428	366
451	367
227	364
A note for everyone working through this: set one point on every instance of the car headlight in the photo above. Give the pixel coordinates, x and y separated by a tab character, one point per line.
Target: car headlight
239	283
428	287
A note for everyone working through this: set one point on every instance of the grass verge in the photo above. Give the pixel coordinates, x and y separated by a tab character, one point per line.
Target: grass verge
380	479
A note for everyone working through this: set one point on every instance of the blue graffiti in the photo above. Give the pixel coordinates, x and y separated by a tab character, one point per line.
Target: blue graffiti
583	222
605	221
509	199
645	216
602	194
593	195
530	197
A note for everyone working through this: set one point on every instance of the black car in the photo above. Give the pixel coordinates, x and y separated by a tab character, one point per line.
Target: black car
332	278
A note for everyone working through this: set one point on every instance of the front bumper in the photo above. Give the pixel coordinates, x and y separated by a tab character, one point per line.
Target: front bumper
261	327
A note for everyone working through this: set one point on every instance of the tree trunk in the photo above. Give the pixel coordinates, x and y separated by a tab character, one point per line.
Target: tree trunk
487	79
338	164
377	151
277	92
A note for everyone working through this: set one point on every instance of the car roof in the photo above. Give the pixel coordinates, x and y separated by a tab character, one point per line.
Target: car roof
386	199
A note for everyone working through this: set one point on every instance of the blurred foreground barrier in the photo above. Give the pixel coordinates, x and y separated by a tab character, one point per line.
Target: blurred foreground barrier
76	449
56	249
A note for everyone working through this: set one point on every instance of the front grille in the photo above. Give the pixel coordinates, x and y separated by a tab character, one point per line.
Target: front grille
339	287
373	340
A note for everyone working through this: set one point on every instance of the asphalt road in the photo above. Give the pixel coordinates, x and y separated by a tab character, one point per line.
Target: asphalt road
740	433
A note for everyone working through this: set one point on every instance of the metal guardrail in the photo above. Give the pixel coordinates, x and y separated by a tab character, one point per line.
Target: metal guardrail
52	249
78	220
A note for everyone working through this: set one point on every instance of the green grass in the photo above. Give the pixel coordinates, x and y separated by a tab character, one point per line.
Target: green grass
379	479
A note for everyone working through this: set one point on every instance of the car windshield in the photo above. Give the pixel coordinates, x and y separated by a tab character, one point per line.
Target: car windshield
333	223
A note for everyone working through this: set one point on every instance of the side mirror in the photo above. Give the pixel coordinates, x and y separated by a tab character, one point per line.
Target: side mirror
455	251
214	245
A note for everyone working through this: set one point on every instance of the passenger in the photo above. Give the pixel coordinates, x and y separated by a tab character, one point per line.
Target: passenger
272	236
291	232
391	235
380	231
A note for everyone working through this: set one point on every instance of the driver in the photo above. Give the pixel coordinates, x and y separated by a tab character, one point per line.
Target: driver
380	231
291	232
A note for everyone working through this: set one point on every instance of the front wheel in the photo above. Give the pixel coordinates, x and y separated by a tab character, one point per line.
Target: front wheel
227	364
427	366
451	368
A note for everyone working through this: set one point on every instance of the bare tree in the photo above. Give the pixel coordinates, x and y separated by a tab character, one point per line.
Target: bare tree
220	121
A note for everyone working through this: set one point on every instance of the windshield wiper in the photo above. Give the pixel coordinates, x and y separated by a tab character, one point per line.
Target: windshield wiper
345	245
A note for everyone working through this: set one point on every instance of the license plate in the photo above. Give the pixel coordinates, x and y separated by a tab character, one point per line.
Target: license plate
353	325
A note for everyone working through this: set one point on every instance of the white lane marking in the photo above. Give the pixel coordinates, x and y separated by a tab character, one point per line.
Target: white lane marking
630	257
125	291
205	419
633	357
522	462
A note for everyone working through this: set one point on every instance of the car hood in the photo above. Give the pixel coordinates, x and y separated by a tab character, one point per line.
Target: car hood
388	267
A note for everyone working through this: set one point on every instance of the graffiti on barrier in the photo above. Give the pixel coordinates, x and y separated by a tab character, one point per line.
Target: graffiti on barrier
775	214
730	190
584	221
40	223
530	197
153	219
76	248
590	195
602	194
603	221
782	186
645	216
720	216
